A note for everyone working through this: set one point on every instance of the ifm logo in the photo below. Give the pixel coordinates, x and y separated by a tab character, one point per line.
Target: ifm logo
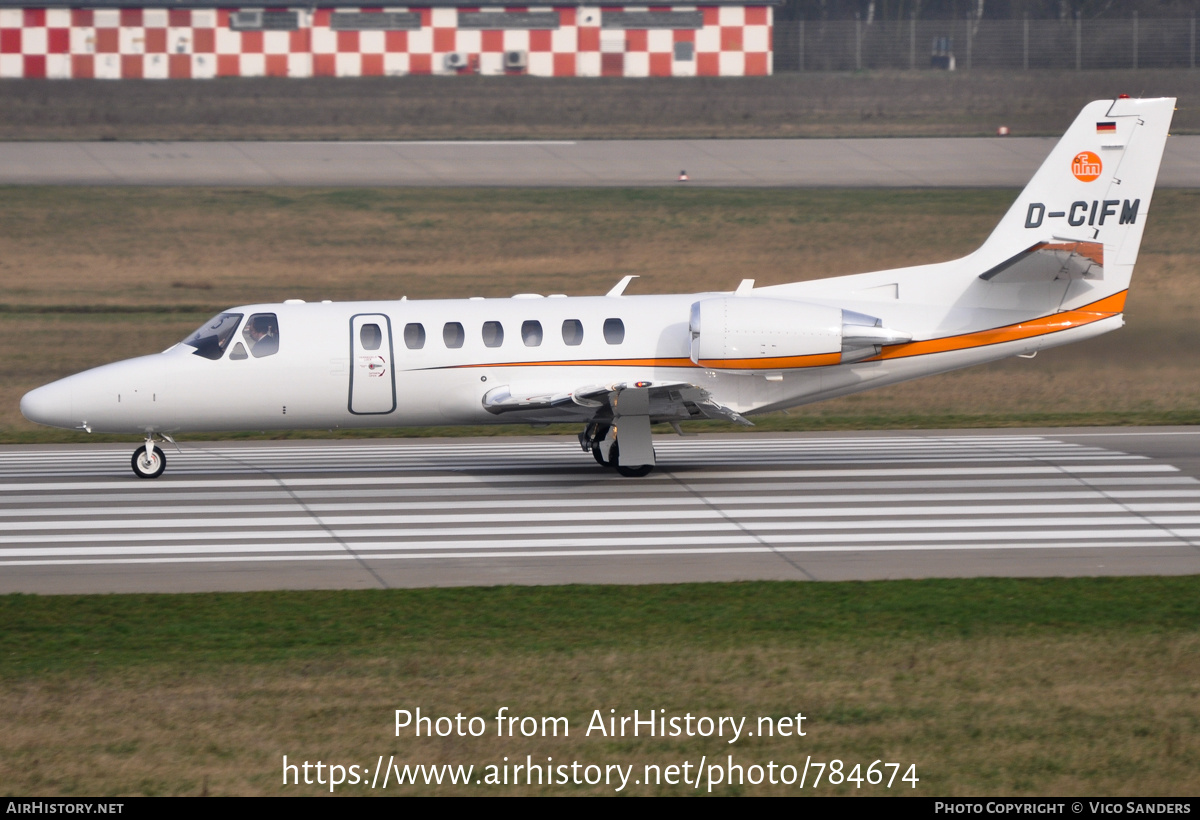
1086	166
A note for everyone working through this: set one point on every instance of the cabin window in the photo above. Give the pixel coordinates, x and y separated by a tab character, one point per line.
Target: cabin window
213	336
453	335
614	331
493	334
531	333
414	336
573	332
262	334
370	337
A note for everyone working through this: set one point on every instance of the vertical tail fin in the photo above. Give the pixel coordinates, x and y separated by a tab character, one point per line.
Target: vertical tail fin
1089	200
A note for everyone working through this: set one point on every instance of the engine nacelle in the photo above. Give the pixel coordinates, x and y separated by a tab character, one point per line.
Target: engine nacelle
750	333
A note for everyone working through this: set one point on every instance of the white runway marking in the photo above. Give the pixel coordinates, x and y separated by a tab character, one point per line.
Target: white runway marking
544	500
750	547
412	508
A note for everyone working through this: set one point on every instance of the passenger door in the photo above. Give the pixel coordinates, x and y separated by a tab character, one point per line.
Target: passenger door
372	370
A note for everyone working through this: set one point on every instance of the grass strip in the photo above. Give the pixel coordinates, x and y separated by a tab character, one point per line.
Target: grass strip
985	686
69	634
775	423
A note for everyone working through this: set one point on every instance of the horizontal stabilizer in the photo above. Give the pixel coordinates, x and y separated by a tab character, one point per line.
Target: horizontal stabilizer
1047	261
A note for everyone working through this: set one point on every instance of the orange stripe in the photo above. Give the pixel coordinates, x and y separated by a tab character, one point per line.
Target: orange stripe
1110	304
1104	308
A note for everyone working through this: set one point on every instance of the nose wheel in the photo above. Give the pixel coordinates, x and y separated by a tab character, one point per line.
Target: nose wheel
148	461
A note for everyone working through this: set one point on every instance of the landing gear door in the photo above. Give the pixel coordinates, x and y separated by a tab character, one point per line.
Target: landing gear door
372	367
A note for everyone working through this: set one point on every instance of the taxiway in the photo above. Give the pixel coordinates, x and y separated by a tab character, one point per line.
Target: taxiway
834	163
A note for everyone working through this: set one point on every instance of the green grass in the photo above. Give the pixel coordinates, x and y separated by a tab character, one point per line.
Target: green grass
987	686
69	634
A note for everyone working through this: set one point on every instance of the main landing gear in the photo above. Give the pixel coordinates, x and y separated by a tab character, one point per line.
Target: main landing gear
149	460
601	439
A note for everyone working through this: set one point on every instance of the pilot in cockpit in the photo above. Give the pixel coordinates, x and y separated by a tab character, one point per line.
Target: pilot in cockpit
262	334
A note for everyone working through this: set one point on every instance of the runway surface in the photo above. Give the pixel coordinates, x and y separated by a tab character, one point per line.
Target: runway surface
994	162
536	510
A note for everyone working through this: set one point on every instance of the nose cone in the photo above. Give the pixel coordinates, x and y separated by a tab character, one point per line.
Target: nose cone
122	397
50	405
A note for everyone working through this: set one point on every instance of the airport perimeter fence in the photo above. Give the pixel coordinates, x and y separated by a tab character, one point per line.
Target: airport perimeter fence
1074	44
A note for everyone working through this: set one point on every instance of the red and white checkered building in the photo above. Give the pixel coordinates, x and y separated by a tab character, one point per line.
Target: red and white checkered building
723	39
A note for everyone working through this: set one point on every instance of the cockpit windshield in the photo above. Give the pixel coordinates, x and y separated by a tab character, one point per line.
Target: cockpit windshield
213	336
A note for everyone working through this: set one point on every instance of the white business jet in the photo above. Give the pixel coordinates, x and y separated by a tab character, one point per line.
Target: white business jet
1055	270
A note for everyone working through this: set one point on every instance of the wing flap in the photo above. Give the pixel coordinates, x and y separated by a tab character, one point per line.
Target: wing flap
661	401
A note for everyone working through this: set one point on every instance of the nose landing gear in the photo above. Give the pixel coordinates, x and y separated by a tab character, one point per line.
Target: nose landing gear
149	460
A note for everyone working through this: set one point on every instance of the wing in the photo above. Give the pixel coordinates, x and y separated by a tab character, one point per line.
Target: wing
662	401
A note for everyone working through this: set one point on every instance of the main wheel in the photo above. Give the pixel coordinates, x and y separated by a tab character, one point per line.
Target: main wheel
148	463
596	454
629	472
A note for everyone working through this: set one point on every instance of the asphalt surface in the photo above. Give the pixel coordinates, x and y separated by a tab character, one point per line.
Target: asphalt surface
990	162
399	513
